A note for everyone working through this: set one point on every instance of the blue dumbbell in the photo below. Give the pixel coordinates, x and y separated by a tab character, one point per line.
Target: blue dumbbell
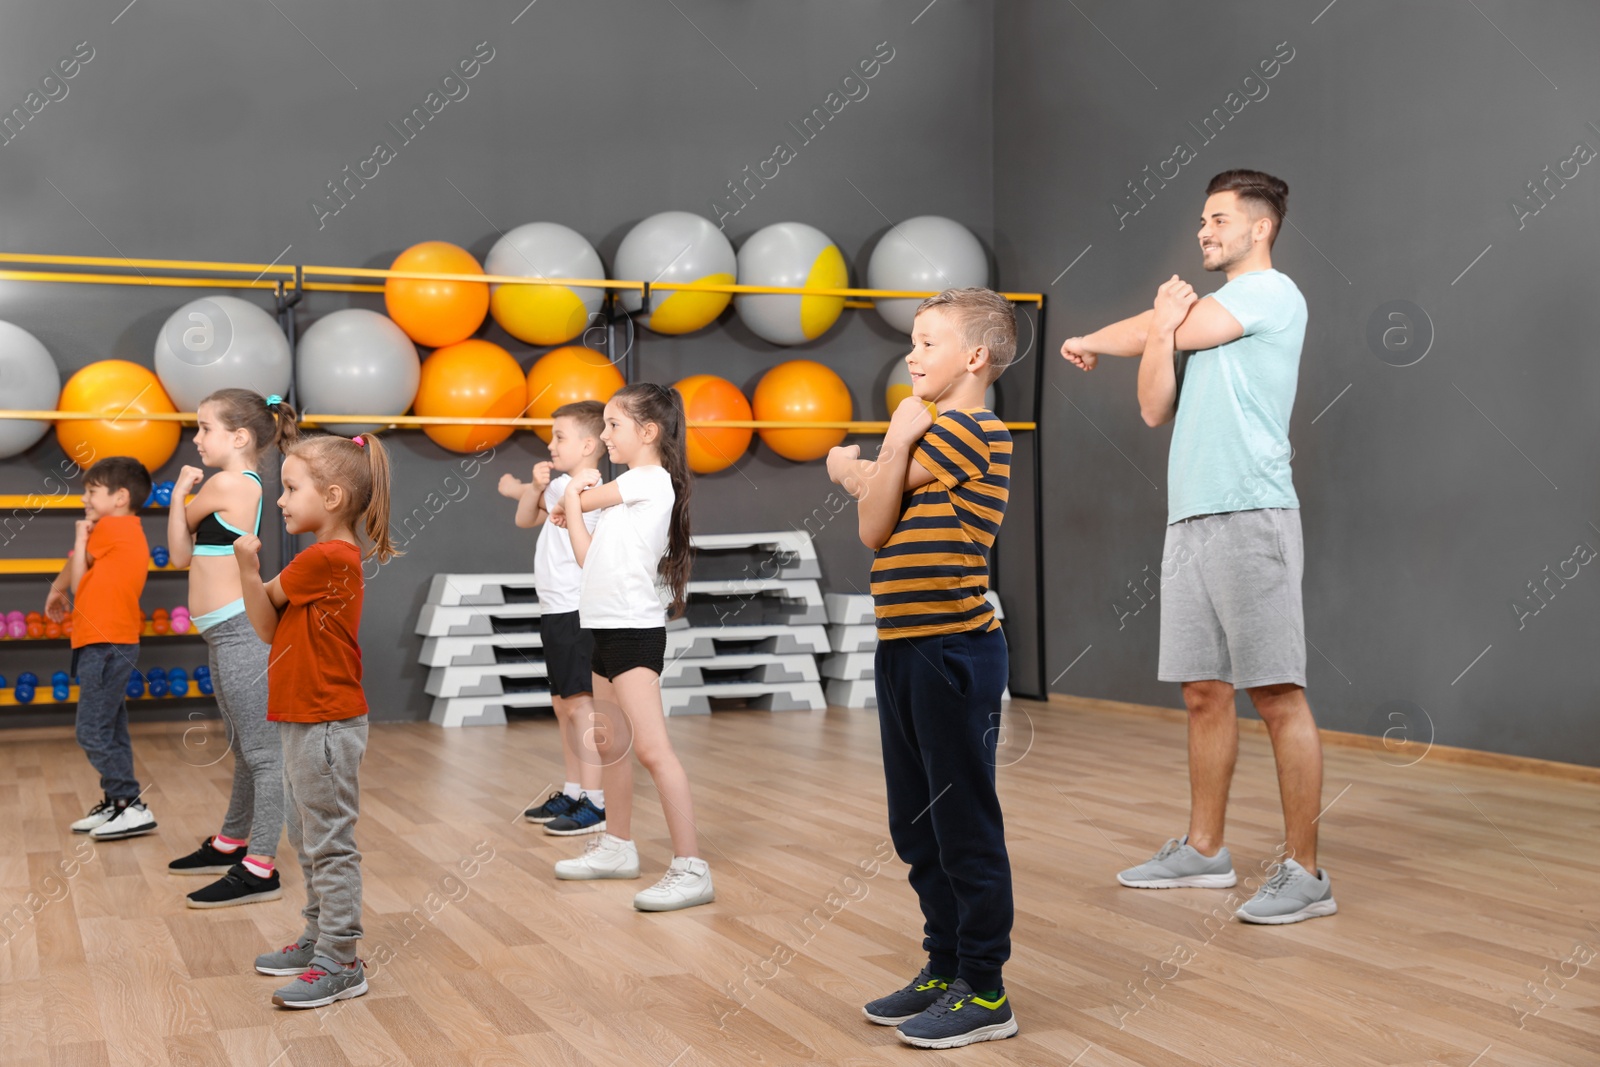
156	672
158	687
159	555
135	687
206	688
178	682
60	678
28	678
2	681
24	694
61	693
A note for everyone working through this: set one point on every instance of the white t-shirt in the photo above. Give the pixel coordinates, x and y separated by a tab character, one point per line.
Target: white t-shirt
621	587
556	574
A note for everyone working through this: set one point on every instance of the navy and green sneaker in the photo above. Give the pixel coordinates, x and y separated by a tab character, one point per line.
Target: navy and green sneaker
918	996
558	804
960	1017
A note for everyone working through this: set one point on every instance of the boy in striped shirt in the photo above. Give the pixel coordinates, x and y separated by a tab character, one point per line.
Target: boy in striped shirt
930	506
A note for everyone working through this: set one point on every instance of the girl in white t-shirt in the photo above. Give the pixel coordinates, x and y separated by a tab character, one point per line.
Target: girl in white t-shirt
635	566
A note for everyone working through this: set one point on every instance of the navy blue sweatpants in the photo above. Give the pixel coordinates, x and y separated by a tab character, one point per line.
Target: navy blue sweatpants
939	713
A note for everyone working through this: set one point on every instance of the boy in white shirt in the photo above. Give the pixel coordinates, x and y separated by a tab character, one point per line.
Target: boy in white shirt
579	807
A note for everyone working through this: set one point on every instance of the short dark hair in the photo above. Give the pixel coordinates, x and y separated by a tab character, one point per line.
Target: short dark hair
121	472
590	414
1261	190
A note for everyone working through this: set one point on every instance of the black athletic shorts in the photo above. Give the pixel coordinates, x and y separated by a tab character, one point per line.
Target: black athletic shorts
568	648
619	650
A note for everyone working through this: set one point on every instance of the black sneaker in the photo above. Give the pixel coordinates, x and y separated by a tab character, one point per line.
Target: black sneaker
918	996
238	886
584	818
558	804
960	1017
207	859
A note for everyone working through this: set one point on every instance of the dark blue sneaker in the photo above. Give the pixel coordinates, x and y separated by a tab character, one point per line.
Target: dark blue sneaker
920	994
558	804
960	1017
582	818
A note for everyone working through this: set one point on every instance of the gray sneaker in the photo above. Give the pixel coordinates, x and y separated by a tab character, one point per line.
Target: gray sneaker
289	960
1291	895
1179	866
324	982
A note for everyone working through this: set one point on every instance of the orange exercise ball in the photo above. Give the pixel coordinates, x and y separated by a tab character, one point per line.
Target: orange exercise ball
436	313
473	379
125	391
802	390
705	396
566	376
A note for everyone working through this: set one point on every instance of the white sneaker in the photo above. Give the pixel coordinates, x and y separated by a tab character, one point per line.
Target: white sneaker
606	856
130	820
686	883
98	815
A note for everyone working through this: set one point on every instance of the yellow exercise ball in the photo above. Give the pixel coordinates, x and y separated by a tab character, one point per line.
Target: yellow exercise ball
676	246
544	314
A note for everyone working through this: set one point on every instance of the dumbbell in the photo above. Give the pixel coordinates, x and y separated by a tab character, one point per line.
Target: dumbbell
178	682
202	679
135	686
160	555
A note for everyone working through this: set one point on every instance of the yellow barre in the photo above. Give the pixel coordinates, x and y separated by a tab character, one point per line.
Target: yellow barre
412	421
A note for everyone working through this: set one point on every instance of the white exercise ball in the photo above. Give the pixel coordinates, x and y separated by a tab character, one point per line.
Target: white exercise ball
220	342
356	362
927	253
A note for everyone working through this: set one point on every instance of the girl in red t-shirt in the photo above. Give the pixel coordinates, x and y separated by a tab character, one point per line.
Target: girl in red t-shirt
311	615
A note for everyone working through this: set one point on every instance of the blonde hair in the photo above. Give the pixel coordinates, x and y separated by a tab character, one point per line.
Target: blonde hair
982	317
360	466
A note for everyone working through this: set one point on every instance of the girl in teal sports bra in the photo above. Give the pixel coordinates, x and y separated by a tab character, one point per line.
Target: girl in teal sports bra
235	427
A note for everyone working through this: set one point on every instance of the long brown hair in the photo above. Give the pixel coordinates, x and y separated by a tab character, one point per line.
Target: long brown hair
646	402
271	421
360	466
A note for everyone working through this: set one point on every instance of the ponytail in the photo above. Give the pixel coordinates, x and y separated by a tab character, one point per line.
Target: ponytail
376	515
272	422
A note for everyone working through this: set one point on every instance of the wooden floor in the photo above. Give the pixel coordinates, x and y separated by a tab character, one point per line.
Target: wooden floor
1460	888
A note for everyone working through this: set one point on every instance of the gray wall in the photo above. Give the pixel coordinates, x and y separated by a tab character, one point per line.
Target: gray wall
1432	494
203	132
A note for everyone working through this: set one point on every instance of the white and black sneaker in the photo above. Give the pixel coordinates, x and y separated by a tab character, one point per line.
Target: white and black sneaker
98	815
130	819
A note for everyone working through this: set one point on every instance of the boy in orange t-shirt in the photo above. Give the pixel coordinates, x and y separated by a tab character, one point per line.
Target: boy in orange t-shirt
109	564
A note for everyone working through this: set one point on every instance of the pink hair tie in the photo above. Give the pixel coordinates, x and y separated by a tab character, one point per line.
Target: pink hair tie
360	442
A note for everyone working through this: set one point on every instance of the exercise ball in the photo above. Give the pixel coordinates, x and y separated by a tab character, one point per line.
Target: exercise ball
794	256
899	388
29	381
566	376
436	313
220	342
124	391
473	379
802	390
705	396
544	314
676	246
930	253
356	362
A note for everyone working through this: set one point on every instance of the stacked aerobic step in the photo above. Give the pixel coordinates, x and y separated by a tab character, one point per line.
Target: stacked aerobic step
750	637
853	638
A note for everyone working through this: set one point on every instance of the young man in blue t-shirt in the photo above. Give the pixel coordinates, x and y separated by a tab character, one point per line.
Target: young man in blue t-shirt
1231	614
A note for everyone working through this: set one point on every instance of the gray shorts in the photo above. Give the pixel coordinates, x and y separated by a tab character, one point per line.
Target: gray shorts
1230	599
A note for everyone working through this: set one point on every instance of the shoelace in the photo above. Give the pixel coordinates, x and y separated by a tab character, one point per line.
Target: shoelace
314	974
671	878
1168	849
1278	881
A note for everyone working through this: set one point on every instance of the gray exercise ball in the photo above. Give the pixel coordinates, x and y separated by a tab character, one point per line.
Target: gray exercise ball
220	342
29	381
356	362
927	253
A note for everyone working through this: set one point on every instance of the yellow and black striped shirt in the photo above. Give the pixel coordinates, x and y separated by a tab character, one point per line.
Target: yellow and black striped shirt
932	574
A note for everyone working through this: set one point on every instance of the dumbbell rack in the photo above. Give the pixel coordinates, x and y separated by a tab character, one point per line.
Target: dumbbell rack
43	696
750	640
853	639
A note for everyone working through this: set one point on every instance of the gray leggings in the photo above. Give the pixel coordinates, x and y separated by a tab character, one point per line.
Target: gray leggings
239	677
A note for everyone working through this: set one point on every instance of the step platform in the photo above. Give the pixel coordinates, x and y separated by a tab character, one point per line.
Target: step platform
480	650
484	710
751	696
477	620
704	642
786	554
482	681
743	667
755	600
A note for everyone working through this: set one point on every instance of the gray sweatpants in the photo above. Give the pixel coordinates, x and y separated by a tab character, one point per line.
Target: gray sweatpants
321	765
239	681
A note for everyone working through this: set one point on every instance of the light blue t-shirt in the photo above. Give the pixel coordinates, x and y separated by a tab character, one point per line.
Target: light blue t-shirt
1230	440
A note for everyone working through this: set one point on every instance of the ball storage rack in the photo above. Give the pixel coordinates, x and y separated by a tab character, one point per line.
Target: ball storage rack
289	283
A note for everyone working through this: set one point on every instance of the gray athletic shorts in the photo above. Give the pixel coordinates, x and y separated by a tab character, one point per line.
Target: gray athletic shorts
1230	599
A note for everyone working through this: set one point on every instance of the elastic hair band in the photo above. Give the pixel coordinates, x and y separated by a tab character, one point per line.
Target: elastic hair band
273	401
360	441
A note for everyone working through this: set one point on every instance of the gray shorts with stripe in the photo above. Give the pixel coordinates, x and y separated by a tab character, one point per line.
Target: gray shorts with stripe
1230	599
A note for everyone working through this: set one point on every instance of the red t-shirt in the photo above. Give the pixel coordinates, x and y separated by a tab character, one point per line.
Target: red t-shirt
105	609
315	672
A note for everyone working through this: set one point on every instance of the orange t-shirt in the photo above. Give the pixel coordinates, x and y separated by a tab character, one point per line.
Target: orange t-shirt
315	671
105	610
